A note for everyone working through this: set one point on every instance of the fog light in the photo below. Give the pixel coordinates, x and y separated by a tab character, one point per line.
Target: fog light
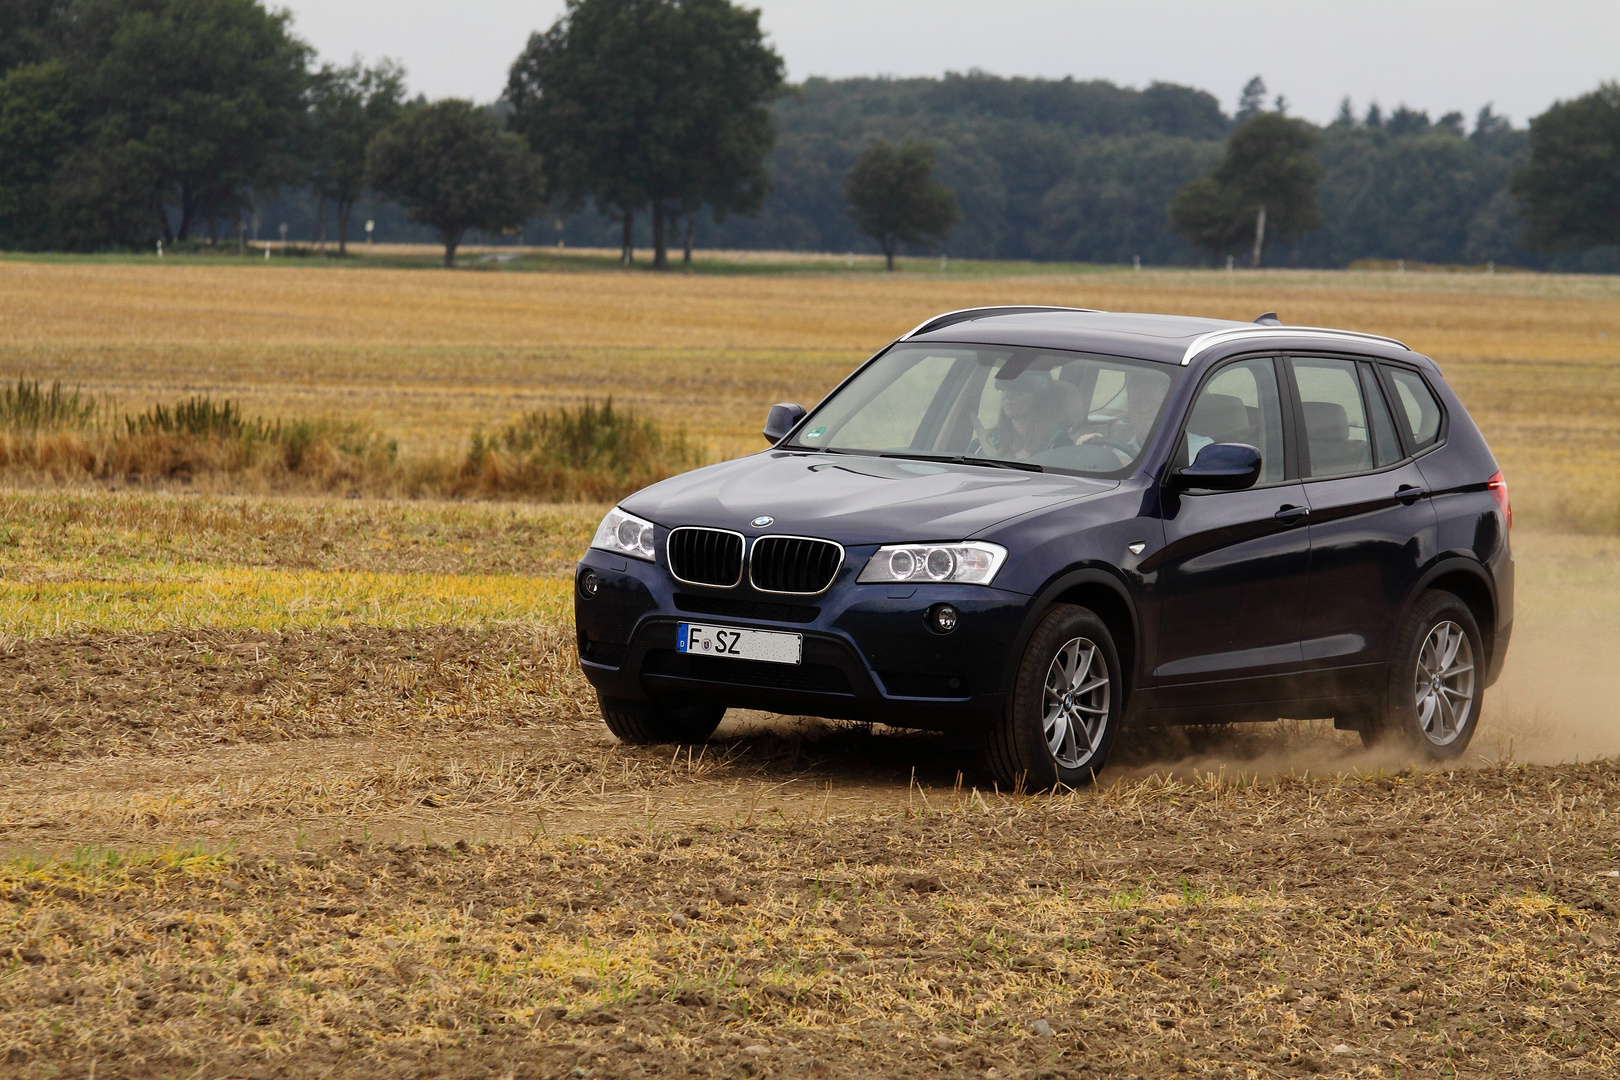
588	584
942	617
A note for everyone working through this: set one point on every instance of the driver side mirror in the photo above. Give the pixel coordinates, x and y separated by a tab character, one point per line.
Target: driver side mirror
1220	467
782	418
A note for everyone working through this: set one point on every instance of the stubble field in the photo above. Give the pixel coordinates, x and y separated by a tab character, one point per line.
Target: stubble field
312	787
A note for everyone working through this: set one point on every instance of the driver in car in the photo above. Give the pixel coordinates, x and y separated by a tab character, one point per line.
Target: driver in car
1037	413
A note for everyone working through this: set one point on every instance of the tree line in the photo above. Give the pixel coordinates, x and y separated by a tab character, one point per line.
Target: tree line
651	122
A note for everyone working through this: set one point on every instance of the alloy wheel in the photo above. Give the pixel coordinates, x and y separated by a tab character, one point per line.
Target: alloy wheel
1075	705
1444	683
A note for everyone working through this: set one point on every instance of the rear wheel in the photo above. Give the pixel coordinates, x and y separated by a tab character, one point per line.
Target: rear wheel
1065	708
1435	680
647	722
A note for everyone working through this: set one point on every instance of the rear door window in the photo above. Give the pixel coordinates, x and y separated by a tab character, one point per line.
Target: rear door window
1336	436
1415	407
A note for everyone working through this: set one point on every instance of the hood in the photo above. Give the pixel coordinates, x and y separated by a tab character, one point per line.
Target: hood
854	499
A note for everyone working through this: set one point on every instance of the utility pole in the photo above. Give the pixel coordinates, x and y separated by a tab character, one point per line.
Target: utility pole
1259	236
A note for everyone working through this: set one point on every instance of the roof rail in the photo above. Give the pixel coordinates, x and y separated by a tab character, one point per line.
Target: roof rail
1262	331
951	318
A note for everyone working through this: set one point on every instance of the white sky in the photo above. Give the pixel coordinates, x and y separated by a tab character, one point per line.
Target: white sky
1438	55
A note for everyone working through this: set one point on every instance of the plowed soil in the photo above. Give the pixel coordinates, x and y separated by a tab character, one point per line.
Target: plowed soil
1458	923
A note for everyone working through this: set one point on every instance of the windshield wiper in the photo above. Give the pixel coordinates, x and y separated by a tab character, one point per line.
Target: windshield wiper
963	459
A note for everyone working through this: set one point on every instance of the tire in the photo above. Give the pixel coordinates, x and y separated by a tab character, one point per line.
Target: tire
1436	681
644	723
1051	734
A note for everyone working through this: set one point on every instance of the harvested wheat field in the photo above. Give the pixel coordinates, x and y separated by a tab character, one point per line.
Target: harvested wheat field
295	785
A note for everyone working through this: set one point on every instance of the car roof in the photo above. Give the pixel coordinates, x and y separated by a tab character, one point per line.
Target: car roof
1169	339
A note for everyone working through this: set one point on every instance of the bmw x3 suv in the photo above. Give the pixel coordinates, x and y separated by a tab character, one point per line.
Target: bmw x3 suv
1030	526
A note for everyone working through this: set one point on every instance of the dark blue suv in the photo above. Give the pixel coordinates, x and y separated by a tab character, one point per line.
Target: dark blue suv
1033	525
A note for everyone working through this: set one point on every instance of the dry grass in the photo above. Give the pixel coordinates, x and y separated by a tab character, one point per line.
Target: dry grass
425	357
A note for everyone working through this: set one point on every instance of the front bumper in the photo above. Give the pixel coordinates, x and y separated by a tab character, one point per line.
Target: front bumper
868	653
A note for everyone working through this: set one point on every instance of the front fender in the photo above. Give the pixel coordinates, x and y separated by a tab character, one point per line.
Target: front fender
1102	575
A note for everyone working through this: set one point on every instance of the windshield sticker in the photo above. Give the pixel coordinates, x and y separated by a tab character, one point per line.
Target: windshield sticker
815	433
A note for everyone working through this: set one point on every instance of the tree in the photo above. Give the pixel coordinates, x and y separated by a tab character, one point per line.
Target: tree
348	106
655	103
1267	176
1569	193
1252	102
194	101
452	168
894	198
39	121
1211	215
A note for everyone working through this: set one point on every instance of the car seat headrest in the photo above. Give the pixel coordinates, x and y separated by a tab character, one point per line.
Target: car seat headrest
1326	421
1221	417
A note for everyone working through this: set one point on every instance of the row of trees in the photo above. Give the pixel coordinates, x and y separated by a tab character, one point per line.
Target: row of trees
1046	169
127	120
124	121
1567	190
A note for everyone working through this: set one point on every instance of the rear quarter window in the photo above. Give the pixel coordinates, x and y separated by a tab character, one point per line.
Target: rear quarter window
1416	409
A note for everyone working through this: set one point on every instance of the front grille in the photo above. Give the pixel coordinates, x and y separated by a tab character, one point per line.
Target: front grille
794	564
815	678
746	609
706	557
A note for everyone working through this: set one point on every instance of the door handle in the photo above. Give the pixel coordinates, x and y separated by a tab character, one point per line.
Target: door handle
1408	494
1293	515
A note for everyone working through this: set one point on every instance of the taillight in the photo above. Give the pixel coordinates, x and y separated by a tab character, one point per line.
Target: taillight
1499	492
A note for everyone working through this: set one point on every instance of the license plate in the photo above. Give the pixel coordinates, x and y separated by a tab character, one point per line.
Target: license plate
703	639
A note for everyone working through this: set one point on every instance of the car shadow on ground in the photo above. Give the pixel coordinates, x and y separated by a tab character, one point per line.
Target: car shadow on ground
762	746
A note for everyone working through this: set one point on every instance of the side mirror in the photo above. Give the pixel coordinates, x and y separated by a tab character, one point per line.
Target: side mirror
1220	467
782	418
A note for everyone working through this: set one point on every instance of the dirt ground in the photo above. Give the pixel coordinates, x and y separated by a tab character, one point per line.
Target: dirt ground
1383	924
325	853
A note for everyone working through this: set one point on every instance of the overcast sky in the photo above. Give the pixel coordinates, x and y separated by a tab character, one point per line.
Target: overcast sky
1437	55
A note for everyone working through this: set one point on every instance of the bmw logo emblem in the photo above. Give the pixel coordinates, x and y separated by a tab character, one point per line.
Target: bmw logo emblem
762	521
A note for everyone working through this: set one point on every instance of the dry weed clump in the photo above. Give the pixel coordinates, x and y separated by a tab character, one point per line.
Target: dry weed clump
1362	926
60	434
590	454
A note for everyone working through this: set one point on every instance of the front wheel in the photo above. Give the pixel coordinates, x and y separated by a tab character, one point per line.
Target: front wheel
648	722
1435	680
1059	725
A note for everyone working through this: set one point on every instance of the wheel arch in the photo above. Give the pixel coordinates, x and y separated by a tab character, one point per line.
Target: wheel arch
1469	582
1101	591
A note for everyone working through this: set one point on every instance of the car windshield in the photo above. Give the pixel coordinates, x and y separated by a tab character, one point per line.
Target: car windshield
1062	411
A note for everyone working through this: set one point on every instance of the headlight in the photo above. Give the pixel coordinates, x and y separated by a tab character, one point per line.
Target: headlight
971	563
625	534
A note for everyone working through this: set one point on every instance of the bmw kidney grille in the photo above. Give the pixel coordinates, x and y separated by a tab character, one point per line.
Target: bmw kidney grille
706	557
798	565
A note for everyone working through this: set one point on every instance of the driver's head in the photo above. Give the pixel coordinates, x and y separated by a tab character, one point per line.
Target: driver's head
1021	394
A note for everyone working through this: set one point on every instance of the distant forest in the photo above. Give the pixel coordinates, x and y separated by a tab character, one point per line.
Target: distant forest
1071	170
